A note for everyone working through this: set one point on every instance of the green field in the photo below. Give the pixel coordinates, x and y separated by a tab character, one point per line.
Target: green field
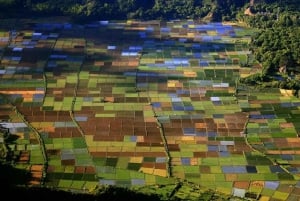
138	104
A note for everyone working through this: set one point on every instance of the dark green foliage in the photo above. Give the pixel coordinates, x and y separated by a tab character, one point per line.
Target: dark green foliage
111	162
278	49
252	79
89	177
258	160
277	45
134	166
68	176
214	10
285	176
54	176
269	13
124	9
149	159
227	9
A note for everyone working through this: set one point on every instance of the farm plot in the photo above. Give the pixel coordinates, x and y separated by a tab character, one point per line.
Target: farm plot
144	103
23	145
272	130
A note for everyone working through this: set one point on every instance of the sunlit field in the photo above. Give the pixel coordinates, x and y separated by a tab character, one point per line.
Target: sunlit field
143	104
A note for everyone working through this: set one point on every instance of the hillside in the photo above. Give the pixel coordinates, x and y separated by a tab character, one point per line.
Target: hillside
129	9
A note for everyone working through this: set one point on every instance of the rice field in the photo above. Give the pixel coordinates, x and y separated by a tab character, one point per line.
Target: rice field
138	104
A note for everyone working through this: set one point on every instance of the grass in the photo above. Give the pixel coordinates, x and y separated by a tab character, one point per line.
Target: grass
123	174
191	169
210	161
78	184
280	195
65	183
79	143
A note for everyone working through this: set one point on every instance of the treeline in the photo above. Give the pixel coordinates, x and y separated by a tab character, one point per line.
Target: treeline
283	13
278	51
276	45
216	10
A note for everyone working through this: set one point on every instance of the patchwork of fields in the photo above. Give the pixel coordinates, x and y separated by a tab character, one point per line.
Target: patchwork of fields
146	103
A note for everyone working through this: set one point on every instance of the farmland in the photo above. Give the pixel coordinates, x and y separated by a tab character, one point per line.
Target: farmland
144	103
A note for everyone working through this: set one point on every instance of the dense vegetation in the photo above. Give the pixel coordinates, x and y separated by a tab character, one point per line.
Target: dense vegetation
149	9
123	9
277	45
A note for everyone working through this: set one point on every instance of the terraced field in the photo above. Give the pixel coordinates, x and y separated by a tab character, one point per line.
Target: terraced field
140	104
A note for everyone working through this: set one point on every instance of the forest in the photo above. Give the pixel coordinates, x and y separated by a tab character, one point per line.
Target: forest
276	45
123	9
117	9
